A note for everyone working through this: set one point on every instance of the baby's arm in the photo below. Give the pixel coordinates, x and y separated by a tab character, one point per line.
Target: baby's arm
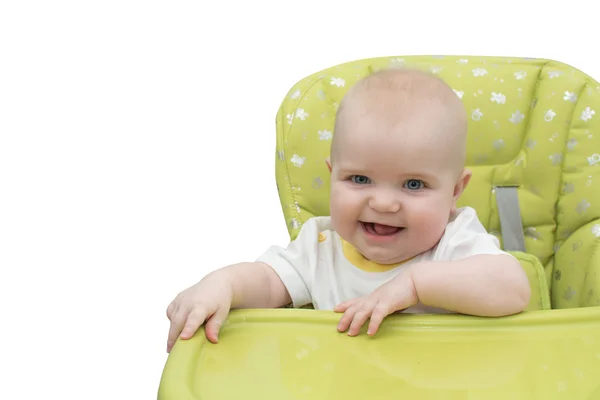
483	285
473	276
256	285
243	285
486	285
279	277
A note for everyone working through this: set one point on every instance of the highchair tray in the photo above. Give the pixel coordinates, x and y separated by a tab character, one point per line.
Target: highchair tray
298	354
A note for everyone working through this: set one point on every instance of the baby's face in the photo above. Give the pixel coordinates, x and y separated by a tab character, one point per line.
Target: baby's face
393	187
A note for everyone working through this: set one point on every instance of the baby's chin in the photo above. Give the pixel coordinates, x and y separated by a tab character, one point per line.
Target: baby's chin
388	260
384	258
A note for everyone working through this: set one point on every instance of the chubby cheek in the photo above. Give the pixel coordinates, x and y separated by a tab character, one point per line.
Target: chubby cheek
433	212
344	208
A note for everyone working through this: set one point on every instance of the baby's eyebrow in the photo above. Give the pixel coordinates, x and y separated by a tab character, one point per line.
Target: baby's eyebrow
421	175
352	169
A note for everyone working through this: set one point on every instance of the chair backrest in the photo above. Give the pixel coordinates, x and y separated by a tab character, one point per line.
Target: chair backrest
533	147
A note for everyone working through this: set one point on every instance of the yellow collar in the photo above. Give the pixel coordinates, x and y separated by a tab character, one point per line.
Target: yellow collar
359	261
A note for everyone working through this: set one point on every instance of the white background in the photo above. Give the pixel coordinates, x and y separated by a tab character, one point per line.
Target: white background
137	154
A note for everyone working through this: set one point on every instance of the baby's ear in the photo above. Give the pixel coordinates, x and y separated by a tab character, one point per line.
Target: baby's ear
328	162
461	185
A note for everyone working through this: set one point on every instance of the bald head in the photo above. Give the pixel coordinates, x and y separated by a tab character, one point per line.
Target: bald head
407	103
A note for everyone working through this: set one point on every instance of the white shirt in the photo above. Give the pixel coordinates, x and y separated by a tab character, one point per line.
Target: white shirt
315	267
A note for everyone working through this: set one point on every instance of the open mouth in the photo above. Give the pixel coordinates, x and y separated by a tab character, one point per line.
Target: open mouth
380	229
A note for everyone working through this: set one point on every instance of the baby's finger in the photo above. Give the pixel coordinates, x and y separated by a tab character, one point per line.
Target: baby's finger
361	316
171	310
213	326
342	307
194	320
377	316
177	322
346	319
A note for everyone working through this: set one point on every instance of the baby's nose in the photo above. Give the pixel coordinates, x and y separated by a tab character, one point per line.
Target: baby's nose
385	202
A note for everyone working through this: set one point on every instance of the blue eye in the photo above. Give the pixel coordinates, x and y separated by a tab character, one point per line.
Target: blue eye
414	184
360	179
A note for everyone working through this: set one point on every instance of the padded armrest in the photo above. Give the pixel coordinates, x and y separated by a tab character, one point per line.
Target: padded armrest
577	282
540	294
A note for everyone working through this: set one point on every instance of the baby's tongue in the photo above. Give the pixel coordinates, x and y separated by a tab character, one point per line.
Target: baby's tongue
384	229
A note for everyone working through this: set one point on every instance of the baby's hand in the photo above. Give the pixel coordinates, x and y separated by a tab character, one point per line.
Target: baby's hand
395	295
209	300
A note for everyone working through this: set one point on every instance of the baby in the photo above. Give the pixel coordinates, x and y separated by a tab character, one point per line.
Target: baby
395	240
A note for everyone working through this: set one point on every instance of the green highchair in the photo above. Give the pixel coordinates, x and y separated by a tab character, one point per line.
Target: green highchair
534	151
